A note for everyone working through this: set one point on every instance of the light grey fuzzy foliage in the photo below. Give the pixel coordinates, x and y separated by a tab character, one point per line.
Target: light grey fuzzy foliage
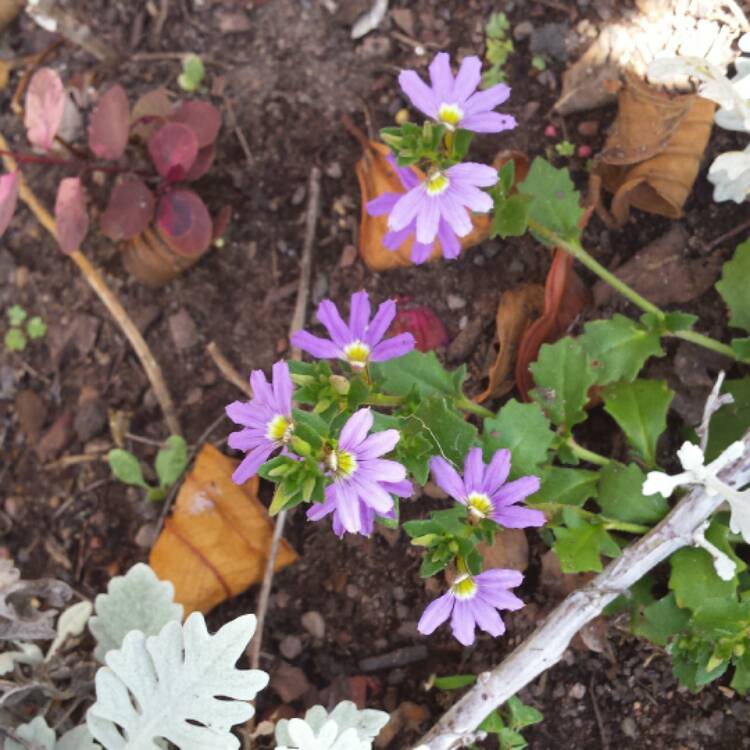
42	737
136	601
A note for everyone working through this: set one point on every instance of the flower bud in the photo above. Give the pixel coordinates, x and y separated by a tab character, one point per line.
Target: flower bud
340	384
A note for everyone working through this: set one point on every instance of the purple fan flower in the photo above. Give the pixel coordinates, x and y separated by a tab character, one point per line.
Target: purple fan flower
362	481
455	102
359	342
473	601
420	251
266	420
484	492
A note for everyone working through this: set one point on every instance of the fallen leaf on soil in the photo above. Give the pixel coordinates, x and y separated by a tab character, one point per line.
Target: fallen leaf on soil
289	682
43	112
31	412
510	549
663	274
56	438
71	217
428	330
407	716
593	636
109	126
517	310
654	150
216	542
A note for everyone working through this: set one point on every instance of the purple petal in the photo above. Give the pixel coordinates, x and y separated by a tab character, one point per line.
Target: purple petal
347	505
473	471
261	388
462	622
367	515
496	472
488	122
282	388
394	347
419	93
251	463
472	197
355	430
499	577
403	488
359	314
435	614
441	77
378	444
421	251
338	528
487	617
448	241
241	412
428	219
514	492
318	511
246	440
394	240
314	345
455	215
513	517
486	101
380	323
372	494
500	599
383	204
405	211
468	78
447	478
328	315
379	469
479	175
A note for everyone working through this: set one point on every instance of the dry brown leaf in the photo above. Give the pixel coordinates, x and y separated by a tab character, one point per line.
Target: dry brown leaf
654	150
216	542
517	310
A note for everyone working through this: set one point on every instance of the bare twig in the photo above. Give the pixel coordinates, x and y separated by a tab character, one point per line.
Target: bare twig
298	321
227	369
728	235
234	124
714	402
159	21
105	294
546	645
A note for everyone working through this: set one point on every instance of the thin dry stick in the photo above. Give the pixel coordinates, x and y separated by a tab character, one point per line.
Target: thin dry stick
546	646
298	321
105	294
227	369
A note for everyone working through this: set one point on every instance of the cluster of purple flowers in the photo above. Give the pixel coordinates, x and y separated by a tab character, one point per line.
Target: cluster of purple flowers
440	205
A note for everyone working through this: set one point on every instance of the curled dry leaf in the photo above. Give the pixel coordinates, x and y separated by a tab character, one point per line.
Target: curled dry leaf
654	150
130	209
71	218
173	149
150	260
517	310
419	320
110	124
44	107
184	223
217	540
8	198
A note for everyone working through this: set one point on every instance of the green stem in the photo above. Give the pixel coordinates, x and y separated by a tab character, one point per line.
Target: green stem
383	399
706	342
586	455
468	405
611	524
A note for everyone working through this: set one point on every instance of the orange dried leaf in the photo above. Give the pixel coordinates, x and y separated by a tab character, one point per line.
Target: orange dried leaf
216	543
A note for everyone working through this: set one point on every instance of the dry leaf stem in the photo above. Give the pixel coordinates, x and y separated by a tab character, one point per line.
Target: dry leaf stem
105	294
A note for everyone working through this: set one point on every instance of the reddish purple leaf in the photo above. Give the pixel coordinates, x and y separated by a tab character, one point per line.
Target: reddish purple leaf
129	211
202	163
8	198
184	222
149	112
71	218
422	323
45	102
201	117
110	124
173	148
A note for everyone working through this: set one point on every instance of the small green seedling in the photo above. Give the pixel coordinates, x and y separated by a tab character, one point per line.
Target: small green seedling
539	63
499	49
171	462
565	148
508	721
16	339
193	72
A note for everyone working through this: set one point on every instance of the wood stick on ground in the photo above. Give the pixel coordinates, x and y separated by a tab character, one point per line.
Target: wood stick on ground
227	369
105	294
298	321
547	644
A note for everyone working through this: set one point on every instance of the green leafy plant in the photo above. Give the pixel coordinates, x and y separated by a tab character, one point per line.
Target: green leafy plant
499	49
565	148
171	462
193	72
538	63
16	337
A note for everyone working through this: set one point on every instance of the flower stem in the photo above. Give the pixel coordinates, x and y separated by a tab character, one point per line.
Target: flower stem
611	524
706	342
468	405
585	454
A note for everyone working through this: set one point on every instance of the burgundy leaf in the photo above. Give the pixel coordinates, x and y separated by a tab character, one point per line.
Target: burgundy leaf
110	124
45	103
173	148
184	222
8	198
129	211
422	323
202	163
201	117
150	112
71	218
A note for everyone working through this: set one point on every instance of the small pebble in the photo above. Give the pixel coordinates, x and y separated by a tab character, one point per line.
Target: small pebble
588	128
290	647
314	624
522	30
299	195
334	171
455	302
628	727
578	691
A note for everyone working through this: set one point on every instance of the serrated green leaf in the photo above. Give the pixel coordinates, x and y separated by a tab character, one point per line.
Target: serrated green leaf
510	218
36	328
618	348
16	315
661	620
741	347
450	434
731	421
414	451
555	203
15	341
171	460
421	371
565	148
521	715
733	286
693	579
640	409
566	486
525	431
126	467
620	495
563	376
579	547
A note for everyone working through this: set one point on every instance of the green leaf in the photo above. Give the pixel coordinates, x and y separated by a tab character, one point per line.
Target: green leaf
640	409
694	580
15	341
414	451
579	545
525	431
618	348
733	286
171	460
454	681
741	348
36	328
511	216
192	74
563	375
741	680
620	495
507	176
661	620
521	715
731	421
497	25
420	371
450	434
566	486
565	148
16	315
126	467
555	203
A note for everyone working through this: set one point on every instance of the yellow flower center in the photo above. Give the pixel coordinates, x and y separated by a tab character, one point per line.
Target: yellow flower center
342	463
356	354
480	505
464	587
437	183
279	429
450	115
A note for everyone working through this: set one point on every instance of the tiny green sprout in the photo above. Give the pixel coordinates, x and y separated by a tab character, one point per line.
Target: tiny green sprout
15	341
538	62
497	26
36	328
192	74
565	148
16	315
